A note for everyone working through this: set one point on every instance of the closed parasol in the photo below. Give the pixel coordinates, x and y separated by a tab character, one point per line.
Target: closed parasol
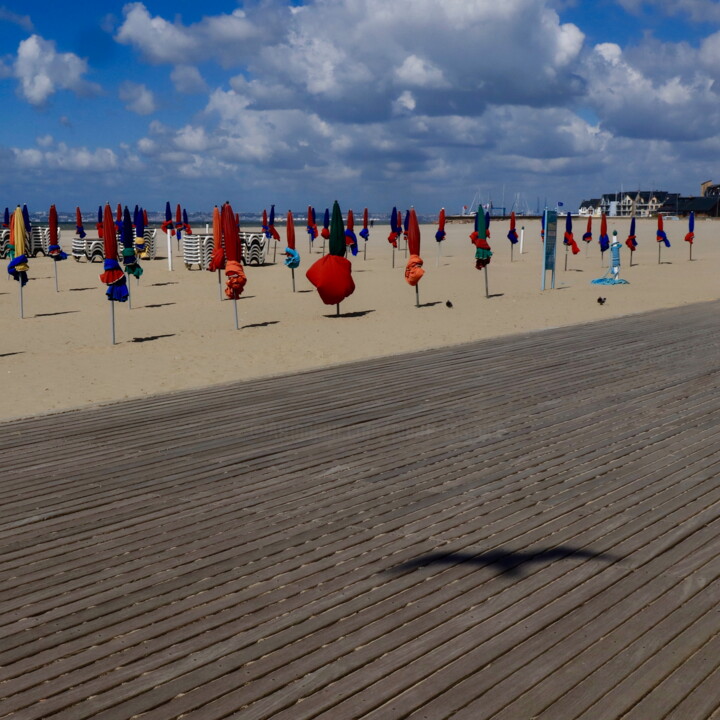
440	234
169	229
512	235
569	239
414	268
112	276
292	256
217	259
18	266
350	237
690	237
631	241
311	227
132	267
483	253
234	272
332	273
604	240
54	249
661	237
365	233
79	229
325	232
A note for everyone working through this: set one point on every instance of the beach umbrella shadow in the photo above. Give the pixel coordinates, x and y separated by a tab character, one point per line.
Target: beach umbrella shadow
355	314
510	562
261	324
149	338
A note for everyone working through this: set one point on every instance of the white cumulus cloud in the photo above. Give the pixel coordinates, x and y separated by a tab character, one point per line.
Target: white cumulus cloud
41	71
138	98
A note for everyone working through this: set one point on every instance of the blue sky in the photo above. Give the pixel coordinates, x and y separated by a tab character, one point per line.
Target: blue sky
422	102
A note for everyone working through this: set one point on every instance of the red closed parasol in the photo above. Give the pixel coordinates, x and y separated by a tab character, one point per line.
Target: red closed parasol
414	268
234	271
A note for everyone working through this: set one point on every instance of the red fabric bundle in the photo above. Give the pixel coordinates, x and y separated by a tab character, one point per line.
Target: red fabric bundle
332	276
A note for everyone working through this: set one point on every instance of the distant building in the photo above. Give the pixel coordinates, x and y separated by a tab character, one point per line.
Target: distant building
638	203
702	206
707	189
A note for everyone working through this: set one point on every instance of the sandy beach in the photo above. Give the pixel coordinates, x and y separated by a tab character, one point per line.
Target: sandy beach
178	335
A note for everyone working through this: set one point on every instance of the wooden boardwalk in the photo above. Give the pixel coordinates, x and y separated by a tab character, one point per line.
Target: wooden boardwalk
519	528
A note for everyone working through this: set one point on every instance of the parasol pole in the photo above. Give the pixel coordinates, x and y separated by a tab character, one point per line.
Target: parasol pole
129	295
274	252
292	273
365	251
337	310
323	252
522	238
487	292
438	255
56	278
237	324
220	285
393	257
22	315
512	247
566	255
690	250
112	321
417	295
659	251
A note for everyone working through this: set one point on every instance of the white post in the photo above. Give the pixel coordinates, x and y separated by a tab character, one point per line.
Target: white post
169	250
522	238
112	321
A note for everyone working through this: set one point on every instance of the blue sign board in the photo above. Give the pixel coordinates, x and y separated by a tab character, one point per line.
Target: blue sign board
549	246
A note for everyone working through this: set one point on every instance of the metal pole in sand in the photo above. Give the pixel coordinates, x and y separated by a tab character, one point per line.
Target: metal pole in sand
690	250
220	286
522	239
274	251
22	314
365	251
512	247
56	279
112	321
337	310
566	256
237	325
393	259
292	272
129	295
487	292
659	251
437	264
417	295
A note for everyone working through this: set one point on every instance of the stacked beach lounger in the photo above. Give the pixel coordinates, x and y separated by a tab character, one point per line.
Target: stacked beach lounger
93	249
197	249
